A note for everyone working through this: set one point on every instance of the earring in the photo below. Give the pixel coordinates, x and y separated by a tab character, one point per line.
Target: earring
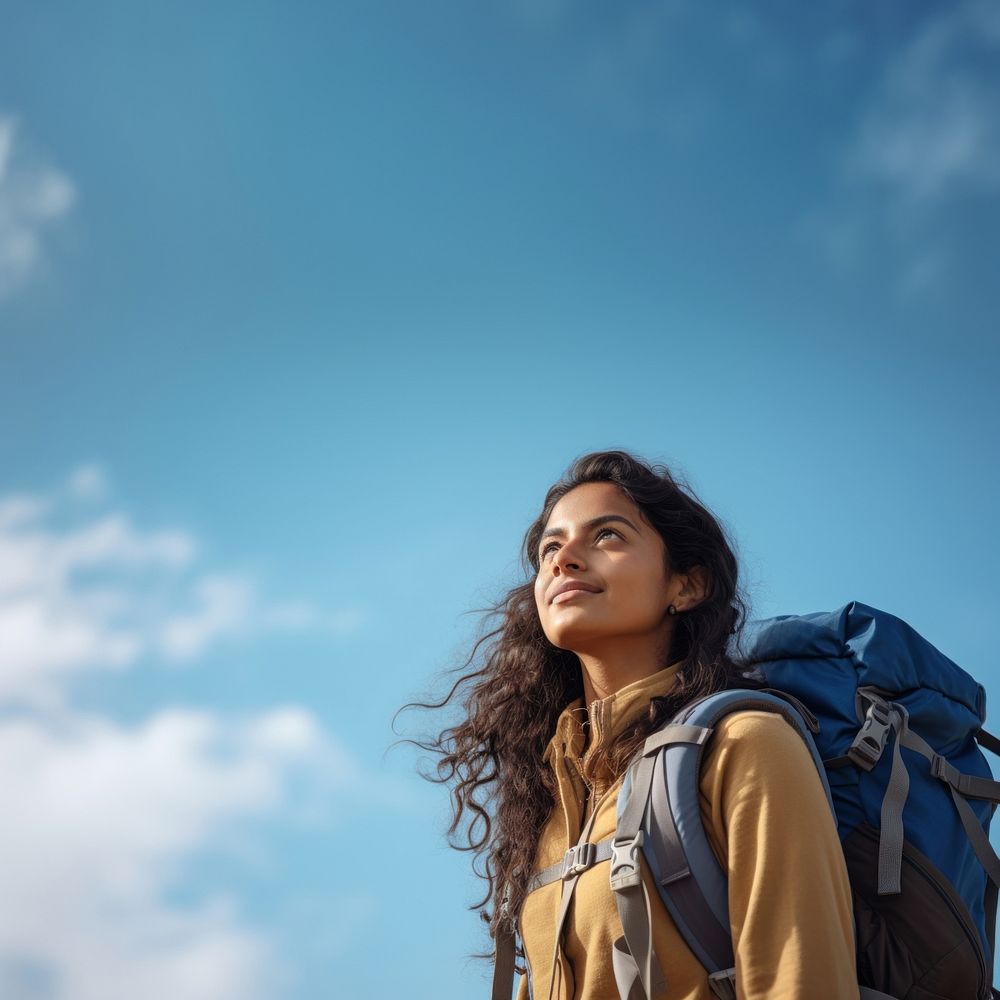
671	610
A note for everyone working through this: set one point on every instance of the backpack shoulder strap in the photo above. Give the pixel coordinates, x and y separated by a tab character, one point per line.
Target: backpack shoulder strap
689	878
989	741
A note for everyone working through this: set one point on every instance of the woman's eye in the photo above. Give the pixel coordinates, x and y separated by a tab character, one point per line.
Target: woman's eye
604	531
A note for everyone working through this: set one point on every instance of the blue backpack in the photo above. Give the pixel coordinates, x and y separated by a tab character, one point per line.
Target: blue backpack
894	729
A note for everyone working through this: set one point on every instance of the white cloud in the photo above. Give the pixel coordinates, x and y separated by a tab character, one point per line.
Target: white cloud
78	598
97	593
106	815
224	605
88	482
103	820
296	616
345	621
285	730
33	195
17	509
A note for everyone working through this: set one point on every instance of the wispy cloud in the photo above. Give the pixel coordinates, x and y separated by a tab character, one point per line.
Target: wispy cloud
33	195
632	65
933	128
88	482
926	137
103	818
540	13
82	588
224	604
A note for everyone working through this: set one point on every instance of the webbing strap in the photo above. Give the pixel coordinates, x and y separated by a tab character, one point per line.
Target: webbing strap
836	763
569	885
503	966
969	785
630	821
637	969
980	842
988	740
867	993
890	844
675	733
626	972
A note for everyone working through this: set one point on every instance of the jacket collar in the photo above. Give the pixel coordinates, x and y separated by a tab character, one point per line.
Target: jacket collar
608	717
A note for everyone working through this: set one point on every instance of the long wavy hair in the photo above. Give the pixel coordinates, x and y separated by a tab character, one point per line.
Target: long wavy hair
502	791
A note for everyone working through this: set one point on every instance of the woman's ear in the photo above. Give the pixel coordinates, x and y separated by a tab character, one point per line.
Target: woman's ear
694	588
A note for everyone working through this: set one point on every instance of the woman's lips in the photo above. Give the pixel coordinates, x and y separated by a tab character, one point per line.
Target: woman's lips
569	594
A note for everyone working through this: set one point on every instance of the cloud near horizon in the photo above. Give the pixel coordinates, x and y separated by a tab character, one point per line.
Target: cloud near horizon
105	818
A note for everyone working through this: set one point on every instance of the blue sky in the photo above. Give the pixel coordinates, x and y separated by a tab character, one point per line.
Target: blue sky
303	307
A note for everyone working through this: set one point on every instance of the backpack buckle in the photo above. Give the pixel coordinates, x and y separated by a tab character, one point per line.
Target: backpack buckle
866	750
946	771
578	859
723	984
625	872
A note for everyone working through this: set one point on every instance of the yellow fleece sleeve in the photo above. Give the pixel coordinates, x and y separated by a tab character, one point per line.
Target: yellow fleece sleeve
768	820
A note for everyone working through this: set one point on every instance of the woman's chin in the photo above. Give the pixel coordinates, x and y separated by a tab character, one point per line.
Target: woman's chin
576	640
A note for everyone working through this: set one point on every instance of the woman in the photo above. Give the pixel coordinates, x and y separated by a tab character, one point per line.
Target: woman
629	614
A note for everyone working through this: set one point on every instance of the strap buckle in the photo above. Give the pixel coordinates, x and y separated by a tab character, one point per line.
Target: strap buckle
947	772
866	750
625	871
578	859
723	984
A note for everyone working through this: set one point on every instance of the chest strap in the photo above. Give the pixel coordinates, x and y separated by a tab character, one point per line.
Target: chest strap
575	862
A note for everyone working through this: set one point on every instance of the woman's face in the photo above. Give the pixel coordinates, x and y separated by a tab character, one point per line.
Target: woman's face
598	539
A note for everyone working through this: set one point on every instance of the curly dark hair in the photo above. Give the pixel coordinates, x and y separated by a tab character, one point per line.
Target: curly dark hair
502	791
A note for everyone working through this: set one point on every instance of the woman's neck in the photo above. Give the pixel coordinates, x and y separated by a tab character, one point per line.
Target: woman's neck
606	672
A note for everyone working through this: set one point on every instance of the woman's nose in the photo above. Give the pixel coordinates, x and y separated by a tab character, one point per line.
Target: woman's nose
568	556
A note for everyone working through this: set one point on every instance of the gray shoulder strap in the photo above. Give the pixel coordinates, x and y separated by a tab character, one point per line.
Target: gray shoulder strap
691	883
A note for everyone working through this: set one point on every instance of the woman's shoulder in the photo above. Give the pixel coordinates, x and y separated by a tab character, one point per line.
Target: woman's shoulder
753	724
756	741
756	764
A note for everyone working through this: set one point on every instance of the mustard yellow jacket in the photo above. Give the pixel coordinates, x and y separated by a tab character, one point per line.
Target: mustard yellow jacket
769	824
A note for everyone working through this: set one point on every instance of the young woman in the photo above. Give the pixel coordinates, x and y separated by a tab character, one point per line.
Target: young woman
629	613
